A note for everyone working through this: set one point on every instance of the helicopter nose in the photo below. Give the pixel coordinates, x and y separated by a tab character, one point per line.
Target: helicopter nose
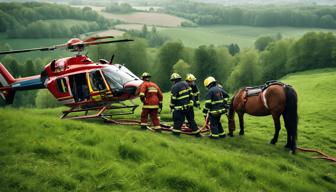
131	87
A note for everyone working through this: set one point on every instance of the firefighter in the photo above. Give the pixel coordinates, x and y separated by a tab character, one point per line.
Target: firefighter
151	97
190	79
182	105
215	106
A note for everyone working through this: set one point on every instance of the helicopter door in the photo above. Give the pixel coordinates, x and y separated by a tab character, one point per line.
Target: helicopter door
97	86
79	87
63	94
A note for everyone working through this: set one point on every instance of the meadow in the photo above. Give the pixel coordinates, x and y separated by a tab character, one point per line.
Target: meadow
40	152
244	36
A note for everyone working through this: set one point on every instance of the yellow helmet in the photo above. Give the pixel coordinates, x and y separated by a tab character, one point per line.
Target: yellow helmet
175	76
190	77
145	75
209	80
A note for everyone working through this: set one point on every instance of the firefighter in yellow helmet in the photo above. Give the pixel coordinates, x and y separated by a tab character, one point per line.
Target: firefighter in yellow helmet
215	106
151	97
182	105
190	79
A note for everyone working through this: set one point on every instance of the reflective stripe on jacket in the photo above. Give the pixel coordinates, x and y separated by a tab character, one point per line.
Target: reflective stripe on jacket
195	93
216	100
151	95
181	96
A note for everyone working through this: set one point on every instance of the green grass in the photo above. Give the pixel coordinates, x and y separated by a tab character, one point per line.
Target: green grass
244	36
40	152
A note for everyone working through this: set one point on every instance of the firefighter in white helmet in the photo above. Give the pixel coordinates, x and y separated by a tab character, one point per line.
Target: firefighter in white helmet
190	79
151	97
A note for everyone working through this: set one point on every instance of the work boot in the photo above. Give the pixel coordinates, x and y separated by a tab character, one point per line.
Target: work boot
143	127
222	136
213	136
177	134
157	129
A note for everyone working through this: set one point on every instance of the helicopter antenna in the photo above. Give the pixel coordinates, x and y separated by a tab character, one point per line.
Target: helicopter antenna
111	60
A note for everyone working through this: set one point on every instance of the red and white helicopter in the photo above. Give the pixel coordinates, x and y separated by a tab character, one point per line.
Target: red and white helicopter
77	81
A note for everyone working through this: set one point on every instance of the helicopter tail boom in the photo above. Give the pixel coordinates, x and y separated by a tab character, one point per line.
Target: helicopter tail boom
6	91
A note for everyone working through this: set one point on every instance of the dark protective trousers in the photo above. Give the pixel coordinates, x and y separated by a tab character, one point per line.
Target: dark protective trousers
180	115
153	113
215	124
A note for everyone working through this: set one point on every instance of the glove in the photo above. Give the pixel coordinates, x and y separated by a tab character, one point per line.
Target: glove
142	98
197	105
171	108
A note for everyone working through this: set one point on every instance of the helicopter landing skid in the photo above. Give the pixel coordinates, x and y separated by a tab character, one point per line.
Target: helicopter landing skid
99	112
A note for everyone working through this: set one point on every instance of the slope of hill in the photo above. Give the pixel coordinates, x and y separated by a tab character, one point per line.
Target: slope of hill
40	152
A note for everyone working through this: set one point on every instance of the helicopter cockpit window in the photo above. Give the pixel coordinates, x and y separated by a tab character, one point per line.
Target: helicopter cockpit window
97	81
127	71
116	77
62	85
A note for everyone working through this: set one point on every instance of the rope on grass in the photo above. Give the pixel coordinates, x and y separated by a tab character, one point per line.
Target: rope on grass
321	154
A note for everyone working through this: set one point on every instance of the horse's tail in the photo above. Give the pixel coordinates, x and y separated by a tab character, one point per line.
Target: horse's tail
290	114
231	121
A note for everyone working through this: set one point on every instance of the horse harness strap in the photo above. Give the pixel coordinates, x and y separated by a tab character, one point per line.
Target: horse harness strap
263	98
260	91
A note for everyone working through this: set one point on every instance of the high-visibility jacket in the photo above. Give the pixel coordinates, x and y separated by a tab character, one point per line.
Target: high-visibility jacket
181	96
150	95
216	100
195	93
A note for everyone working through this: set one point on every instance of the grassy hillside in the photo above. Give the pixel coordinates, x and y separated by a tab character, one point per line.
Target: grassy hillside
40	152
244	36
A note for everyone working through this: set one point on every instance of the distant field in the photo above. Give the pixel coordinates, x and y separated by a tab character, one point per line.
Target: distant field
112	32
158	19
129	26
244	36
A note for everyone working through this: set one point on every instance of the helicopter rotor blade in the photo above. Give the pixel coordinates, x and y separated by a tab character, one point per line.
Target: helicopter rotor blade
33	49
85	43
106	42
97	38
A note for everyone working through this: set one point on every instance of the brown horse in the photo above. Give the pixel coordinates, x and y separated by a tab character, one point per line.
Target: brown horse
276	99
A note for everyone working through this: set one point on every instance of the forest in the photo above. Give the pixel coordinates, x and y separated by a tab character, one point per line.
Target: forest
263	15
42	20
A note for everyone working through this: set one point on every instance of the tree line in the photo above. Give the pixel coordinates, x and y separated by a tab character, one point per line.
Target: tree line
35	20
271	59
122	8
295	16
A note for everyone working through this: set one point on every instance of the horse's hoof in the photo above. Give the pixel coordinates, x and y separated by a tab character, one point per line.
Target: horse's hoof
286	146
273	142
293	152
241	133
230	134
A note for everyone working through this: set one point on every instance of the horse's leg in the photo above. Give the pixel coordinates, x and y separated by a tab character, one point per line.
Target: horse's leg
241	123
277	126
288	139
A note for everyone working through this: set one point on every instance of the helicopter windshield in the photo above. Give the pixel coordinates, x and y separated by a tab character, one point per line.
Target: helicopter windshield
117	75
127	71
